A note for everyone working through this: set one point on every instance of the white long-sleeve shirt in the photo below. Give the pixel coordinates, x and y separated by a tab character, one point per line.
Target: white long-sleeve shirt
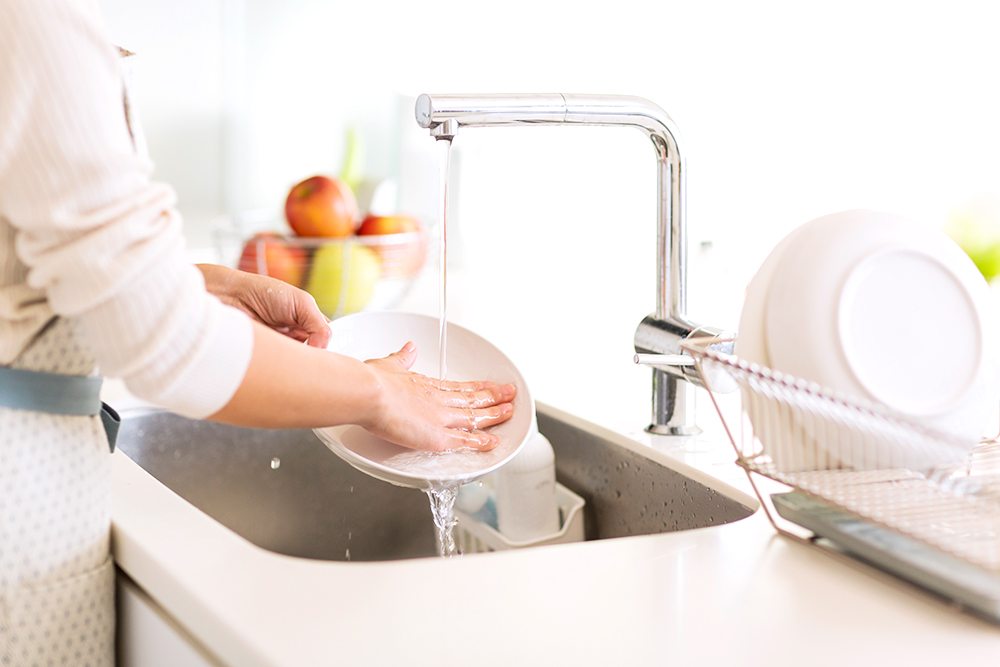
85	233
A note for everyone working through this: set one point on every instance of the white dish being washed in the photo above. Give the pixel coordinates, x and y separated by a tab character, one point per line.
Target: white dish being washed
373	335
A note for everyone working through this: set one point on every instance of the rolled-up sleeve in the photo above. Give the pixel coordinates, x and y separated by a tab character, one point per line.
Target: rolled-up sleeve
99	237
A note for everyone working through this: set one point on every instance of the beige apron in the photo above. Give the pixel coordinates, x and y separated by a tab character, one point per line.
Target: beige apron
56	573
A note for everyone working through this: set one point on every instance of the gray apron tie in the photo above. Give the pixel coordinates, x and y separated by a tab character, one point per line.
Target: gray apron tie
58	395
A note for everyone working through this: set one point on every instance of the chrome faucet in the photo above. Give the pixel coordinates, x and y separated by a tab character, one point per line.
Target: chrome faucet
663	331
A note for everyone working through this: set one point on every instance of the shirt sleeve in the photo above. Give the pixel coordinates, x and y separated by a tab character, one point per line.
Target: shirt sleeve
100	237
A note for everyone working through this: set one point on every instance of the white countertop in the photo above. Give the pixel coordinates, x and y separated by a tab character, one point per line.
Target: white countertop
730	595
736	594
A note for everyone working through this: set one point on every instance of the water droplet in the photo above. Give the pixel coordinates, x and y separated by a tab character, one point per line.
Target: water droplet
269	290
141	433
275	463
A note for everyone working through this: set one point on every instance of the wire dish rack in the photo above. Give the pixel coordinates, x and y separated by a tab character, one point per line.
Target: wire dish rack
919	496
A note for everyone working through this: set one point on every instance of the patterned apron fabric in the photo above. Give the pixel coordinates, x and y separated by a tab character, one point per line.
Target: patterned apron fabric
56	573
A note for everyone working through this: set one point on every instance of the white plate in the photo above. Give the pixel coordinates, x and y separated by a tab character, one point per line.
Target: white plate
372	335
751	341
887	311
910	330
751	345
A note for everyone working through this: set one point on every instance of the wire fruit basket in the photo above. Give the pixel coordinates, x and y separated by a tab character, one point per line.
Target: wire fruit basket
923	505
344	275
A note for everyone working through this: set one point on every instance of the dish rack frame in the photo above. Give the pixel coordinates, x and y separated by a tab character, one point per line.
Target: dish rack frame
852	456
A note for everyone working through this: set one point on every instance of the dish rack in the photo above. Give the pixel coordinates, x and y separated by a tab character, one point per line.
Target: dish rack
847	468
476	533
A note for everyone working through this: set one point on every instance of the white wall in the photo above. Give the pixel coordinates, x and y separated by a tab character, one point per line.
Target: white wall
788	109
179	96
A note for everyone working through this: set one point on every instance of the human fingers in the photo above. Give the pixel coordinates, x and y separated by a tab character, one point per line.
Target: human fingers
460	439
402	359
435	436
310	319
476	419
283	307
449	385
479	398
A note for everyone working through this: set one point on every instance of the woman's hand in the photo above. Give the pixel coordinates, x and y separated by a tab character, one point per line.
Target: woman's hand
296	386
419	412
287	386
278	305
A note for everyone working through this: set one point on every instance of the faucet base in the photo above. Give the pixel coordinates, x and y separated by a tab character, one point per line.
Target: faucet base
663	429
673	406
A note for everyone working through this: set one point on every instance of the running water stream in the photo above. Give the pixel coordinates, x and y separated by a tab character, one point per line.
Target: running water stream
444	146
442	497
443	509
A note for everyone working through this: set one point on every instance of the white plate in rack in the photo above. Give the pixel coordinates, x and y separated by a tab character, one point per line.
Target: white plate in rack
885	311
888	310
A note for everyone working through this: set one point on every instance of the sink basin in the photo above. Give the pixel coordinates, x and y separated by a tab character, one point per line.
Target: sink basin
286	492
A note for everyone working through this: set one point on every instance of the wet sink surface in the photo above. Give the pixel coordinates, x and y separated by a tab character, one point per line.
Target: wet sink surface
286	492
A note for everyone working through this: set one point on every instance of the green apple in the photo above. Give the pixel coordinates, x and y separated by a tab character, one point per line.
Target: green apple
328	272
975	227
986	257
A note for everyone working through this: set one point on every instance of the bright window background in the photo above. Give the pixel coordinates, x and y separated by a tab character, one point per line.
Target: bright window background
787	110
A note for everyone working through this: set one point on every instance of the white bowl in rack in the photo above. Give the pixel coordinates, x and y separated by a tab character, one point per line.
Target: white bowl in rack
884	310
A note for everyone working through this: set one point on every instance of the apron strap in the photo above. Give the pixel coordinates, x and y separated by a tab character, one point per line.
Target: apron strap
57	394
111	421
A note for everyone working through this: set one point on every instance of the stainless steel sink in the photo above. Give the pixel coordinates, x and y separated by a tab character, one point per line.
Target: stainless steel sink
286	492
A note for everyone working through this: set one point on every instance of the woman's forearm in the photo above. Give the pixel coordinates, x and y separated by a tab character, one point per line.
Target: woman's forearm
291	385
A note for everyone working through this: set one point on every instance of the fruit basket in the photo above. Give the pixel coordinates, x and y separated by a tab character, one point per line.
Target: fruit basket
344	275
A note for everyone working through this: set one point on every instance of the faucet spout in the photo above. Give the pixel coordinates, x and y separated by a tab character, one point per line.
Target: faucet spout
661	332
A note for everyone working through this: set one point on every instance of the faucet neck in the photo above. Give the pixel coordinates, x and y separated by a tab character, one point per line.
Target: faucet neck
671	235
445	114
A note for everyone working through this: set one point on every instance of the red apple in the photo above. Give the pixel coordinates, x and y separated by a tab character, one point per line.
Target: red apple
322	206
279	259
400	258
387	224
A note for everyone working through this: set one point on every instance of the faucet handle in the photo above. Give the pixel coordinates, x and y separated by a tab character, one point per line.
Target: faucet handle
664	362
718	379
